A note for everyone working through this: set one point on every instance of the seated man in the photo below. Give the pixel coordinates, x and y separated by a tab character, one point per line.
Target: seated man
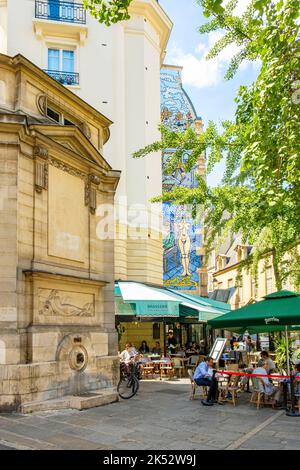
127	357
265	385
127	354
157	348
204	375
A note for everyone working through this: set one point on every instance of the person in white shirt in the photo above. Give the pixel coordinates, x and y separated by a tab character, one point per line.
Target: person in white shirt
128	354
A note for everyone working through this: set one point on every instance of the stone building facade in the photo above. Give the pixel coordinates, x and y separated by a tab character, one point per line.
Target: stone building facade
117	71
57	331
230	283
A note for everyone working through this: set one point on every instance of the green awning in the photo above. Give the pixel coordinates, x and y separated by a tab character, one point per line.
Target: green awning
275	312
148	301
205	308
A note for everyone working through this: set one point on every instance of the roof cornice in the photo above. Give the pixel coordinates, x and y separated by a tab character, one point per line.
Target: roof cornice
154	13
19	62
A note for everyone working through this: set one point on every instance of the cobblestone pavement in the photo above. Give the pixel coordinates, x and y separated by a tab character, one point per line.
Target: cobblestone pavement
161	416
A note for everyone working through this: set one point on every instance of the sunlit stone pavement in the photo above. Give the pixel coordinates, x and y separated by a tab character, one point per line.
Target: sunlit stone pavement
161	416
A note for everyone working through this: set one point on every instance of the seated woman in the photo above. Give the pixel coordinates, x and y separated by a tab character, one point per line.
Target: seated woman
144	348
195	347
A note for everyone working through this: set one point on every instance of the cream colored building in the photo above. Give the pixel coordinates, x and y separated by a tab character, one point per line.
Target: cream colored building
240	288
57	320
117	71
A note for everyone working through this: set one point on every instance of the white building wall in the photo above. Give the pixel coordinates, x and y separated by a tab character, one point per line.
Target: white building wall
119	73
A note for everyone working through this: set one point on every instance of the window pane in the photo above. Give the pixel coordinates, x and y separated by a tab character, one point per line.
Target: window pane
53	9
53	59
68	61
68	123
53	114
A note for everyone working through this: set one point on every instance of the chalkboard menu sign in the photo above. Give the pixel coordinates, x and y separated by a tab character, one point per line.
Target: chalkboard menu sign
217	349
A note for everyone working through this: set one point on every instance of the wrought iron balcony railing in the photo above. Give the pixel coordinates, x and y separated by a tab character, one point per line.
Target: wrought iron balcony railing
58	10
65	78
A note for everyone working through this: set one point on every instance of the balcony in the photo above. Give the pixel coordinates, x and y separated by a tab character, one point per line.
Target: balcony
56	10
65	78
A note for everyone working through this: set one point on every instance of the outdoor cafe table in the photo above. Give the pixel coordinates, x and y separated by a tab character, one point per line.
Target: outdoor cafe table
159	363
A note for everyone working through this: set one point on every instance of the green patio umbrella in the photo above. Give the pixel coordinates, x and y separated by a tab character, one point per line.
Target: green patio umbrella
278	311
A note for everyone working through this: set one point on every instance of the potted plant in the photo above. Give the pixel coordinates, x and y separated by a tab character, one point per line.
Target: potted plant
280	349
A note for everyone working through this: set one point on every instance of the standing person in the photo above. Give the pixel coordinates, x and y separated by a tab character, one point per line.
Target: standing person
249	344
203	376
171	342
202	347
232	341
297	374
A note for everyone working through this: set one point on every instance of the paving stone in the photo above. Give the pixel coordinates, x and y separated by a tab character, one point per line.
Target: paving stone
69	442
160	417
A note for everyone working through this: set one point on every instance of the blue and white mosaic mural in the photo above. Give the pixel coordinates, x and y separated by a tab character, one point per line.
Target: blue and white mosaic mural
181	231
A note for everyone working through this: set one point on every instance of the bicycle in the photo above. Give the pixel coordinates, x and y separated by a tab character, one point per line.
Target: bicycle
129	380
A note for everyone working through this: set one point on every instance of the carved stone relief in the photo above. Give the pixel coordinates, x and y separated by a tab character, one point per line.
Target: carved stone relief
67	168
41	176
90	192
41	168
55	305
42	152
41	102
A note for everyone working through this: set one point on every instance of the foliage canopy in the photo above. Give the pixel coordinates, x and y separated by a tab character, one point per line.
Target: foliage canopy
108	11
259	193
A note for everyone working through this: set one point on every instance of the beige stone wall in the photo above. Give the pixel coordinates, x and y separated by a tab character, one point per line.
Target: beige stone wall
138	254
51	380
57	331
9	339
250	289
144	259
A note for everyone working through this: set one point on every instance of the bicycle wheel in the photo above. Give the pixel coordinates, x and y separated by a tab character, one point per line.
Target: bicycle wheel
127	387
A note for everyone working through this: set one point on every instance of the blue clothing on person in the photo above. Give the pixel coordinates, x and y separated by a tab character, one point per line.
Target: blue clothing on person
202	371
297	391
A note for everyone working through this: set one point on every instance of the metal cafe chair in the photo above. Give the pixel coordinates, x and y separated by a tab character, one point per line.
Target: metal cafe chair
166	368
203	388
229	391
258	396
193	360
178	366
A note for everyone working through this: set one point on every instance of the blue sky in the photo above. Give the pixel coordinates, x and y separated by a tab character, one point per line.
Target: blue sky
212	96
